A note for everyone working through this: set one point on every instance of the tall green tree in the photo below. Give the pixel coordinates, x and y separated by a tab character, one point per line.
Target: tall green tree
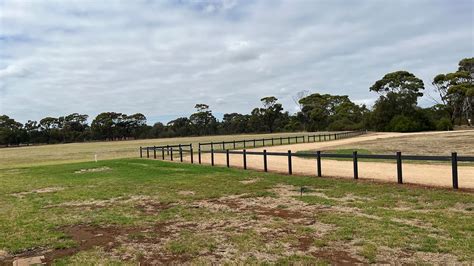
32	130
135	125
75	127
269	116
335	112
235	123
399	92
50	128
180	127
11	131
106	126
456	91
203	121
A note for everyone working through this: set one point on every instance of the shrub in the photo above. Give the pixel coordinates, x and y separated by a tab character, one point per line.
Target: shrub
444	124
401	123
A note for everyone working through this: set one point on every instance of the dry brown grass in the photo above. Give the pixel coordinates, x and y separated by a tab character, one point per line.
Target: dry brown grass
80	152
419	144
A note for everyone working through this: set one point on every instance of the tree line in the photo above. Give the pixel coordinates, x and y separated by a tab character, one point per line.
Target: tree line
396	109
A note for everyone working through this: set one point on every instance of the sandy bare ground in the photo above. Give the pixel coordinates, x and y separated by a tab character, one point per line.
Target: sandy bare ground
461	142
424	174
343	142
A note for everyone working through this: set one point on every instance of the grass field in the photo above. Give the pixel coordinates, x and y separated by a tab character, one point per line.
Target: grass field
136	210
80	152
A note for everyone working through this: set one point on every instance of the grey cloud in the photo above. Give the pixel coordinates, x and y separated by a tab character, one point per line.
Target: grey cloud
162	57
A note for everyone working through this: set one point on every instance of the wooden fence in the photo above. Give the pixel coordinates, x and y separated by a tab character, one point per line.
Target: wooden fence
398	157
252	143
169	150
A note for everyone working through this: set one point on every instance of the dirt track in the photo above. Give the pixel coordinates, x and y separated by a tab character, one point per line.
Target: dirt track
425	174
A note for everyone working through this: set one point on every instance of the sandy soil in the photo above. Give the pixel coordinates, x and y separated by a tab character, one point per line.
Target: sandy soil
425	174
461	142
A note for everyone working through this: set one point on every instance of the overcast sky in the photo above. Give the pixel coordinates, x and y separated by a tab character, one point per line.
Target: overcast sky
160	58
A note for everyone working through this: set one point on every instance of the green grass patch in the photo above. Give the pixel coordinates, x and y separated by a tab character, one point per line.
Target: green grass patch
35	202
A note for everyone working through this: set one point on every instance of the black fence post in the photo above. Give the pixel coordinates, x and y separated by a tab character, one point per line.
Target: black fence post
288	140
356	167
154	152
141	154
263	142
199	155
454	162
273	143
223	145
281	140
318	159
296	139
212	157
167	150
290	167
212	145
191	151
399	168
254	143
171	154
234	144
148	152
244	144
244	154
227	158
265	168
163	153
180	153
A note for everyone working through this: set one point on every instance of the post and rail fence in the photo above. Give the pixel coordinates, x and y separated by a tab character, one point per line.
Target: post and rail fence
167	150
318	155
252	143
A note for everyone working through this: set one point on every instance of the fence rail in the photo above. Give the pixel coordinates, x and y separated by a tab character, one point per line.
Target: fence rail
398	158
168	150
252	143
454	158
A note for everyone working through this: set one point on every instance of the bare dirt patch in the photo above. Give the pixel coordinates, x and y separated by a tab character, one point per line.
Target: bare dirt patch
415	257
29	261
152	207
37	191
186	193
250	181
93	170
3	254
339	257
86	237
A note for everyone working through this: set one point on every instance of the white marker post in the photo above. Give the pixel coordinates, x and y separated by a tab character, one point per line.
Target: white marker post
95	157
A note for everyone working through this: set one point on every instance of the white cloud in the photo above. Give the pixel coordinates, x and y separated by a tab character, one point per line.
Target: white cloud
161	58
12	71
